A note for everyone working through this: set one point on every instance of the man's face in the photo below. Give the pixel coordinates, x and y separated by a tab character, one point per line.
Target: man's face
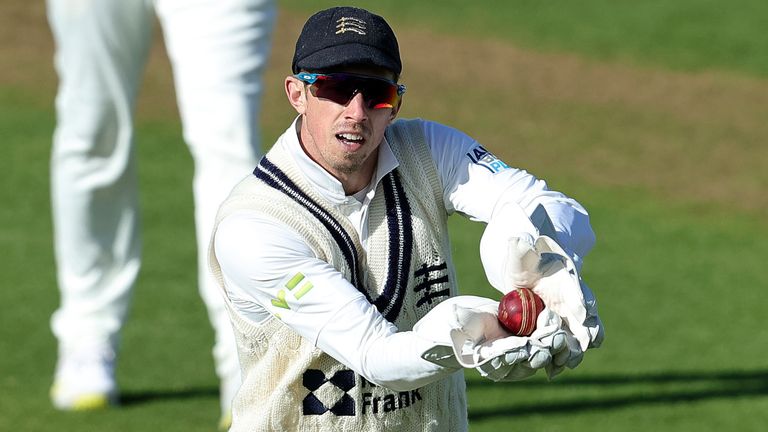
343	139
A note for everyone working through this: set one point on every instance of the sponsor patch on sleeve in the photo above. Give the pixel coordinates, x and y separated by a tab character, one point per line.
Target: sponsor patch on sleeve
302	285
480	156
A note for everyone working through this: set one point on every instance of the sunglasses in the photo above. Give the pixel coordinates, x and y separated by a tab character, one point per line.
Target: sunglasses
342	87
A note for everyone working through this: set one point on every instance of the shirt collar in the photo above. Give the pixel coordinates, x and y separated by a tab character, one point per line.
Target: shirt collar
324	182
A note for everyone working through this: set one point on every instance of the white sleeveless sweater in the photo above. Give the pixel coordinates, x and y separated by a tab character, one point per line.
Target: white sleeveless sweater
288	384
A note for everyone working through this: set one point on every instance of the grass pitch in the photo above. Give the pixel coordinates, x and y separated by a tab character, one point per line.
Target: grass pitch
651	115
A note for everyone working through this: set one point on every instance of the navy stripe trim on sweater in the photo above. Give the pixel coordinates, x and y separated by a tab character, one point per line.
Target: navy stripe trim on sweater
270	174
400	227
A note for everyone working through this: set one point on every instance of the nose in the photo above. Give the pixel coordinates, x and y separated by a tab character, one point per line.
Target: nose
356	108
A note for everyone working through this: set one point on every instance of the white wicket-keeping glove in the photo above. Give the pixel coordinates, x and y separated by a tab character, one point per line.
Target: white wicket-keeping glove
507	367
523	259
566	352
466	330
550	346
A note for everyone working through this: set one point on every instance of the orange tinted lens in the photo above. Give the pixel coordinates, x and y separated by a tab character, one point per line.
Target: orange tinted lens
341	88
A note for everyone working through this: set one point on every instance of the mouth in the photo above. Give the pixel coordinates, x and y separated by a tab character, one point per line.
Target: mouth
352	141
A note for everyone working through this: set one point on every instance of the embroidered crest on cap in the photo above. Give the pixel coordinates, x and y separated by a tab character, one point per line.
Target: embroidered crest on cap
345	24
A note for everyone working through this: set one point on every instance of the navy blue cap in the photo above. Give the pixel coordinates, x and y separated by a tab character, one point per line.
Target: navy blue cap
345	36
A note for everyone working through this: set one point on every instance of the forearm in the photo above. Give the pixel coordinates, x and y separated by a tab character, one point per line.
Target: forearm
477	184
364	341
259	257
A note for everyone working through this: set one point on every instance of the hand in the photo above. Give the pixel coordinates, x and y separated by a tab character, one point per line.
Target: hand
566	352
545	268
572	299
526	259
465	332
437	324
515	366
553	351
547	348
593	323
523	270
498	245
459	324
475	339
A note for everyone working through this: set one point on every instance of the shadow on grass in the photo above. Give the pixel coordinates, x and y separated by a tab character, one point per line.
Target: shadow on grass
720	385
142	397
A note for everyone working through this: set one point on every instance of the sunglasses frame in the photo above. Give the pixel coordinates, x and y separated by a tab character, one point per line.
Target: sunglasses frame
312	78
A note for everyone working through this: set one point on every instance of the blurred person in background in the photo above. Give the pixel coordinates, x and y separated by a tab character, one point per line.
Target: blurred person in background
218	51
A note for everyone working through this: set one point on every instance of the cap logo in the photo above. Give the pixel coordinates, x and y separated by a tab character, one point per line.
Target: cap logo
345	24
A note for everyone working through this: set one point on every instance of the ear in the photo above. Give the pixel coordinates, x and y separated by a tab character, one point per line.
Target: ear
296	92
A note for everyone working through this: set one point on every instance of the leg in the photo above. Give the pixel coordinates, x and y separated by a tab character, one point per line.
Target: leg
101	46
218	49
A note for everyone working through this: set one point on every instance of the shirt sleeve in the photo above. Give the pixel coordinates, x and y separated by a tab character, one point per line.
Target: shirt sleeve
270	271
476	182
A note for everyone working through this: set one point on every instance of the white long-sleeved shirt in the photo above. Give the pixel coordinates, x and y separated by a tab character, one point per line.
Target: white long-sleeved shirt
258	254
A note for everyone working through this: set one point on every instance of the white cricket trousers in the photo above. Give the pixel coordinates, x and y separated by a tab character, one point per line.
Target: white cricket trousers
218	50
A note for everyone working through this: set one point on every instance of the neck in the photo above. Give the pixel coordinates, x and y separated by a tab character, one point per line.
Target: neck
358	180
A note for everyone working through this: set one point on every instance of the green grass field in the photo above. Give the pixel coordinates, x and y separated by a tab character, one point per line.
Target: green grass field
651	114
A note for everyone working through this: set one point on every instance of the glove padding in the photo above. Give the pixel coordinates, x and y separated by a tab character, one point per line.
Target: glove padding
466	331
551	350
522	261
566	352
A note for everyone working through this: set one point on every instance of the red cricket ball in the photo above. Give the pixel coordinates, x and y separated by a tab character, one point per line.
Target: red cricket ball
518	310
